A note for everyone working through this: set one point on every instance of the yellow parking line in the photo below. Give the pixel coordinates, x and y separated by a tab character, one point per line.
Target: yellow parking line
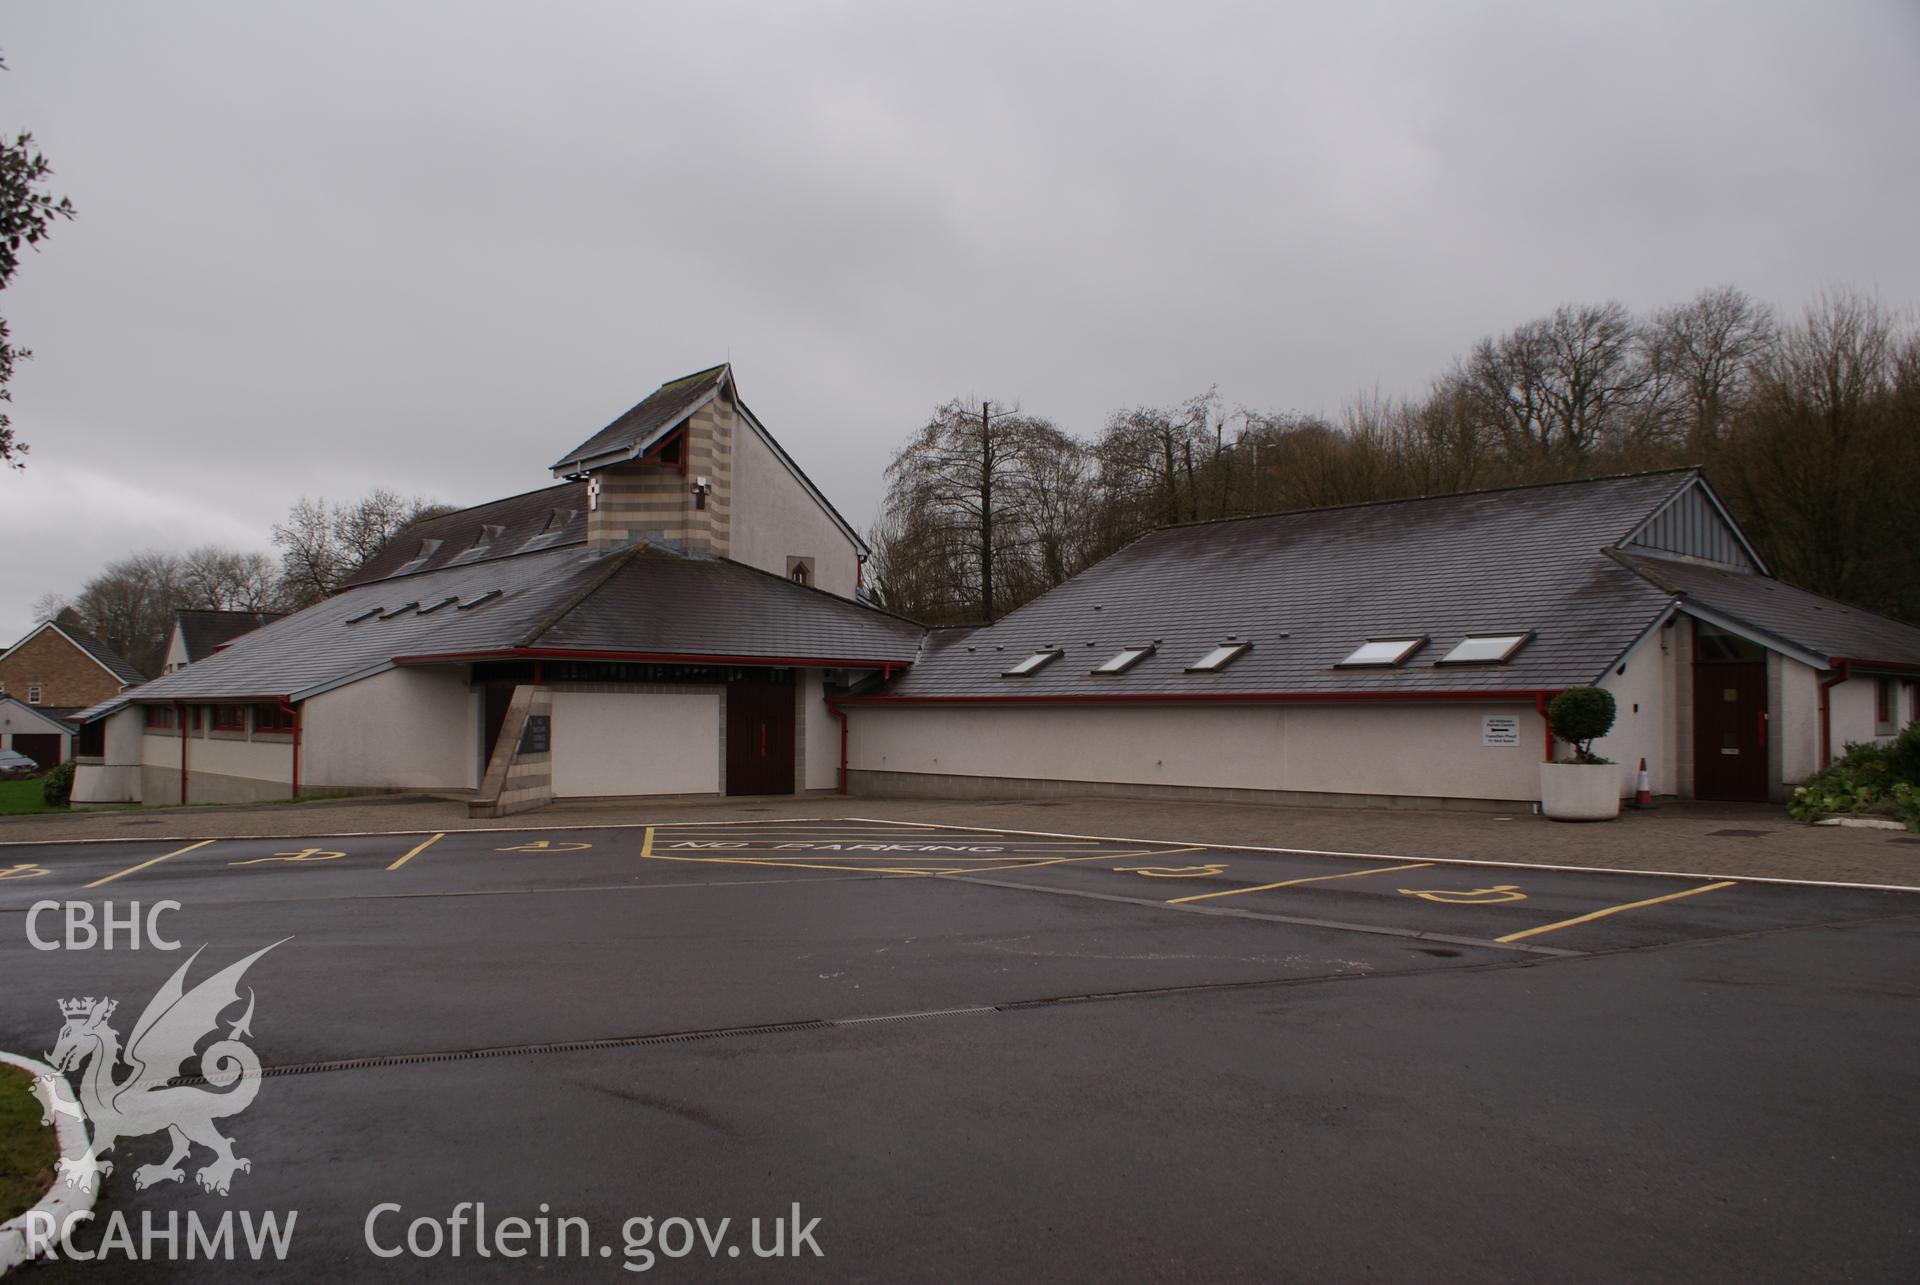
150	862
1614	910
1288	883
1034	863
646	843
417	851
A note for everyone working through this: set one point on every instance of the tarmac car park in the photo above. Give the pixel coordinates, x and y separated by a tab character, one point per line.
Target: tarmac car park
1004	1054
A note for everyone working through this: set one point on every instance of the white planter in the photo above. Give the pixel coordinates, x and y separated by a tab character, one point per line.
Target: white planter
1580	791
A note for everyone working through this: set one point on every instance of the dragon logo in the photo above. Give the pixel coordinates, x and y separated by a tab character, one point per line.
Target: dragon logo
144	1101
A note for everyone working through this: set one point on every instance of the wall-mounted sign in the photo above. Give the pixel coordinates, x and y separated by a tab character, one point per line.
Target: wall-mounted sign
537	734
1499	729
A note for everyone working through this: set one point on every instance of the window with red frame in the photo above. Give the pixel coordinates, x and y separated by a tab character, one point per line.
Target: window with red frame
159	716
193	718
1883	704
271	718
229	718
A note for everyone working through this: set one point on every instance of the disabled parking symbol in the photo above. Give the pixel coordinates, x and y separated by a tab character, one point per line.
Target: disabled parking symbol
1172	872
24	870
1469	897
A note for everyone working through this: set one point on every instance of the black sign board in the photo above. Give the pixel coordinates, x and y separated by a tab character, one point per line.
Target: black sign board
536	735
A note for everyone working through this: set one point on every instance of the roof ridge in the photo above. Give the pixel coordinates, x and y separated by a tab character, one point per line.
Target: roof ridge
612	564
1417	499
812	588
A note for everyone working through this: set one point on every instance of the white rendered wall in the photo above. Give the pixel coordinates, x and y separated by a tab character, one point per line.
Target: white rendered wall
403	729
1399	748
822	732
116	777
1796	721
635	743
1651	731
774	517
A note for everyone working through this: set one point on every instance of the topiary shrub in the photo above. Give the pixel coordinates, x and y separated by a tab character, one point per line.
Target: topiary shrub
1580	716
56	787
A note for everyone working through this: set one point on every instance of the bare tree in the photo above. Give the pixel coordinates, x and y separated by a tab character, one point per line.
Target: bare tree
962	501
1709	345
231	580
322	544
1555	388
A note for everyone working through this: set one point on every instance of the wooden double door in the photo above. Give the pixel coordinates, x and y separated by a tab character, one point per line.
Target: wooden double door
760	734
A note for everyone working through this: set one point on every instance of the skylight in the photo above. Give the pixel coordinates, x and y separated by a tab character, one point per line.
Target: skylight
1219	658
1484	649
1031	664
447	601
1384	651
1119	663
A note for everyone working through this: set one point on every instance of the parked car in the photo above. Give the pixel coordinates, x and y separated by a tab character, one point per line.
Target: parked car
14	764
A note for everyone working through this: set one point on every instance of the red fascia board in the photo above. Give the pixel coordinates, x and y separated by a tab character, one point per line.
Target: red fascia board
1183	698
208	700
1862	662
659	657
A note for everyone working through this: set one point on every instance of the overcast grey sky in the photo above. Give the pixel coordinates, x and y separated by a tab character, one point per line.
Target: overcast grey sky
430	247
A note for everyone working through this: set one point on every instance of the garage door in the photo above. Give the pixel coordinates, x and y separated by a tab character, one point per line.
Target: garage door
641	743
44	750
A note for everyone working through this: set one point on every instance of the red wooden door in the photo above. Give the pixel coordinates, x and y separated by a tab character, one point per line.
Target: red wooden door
760	736
1730	730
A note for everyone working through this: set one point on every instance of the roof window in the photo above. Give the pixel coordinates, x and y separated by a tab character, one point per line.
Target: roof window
1219	658
1383	652
1126	658
365	615
1484	649
488	596
1033	663
431	607
427	549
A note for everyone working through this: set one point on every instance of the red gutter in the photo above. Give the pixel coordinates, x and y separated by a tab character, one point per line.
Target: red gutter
1182	698
1826	709
294	711
666	657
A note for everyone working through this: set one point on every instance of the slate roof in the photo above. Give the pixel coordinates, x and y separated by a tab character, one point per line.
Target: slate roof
1307	588
106	655
711	606
523	520
205	632
641	426
564	599
1828	629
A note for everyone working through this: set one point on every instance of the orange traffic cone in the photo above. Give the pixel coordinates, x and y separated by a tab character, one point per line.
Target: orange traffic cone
1642	792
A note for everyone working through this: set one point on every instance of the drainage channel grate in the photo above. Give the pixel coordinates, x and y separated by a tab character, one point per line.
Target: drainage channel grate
914	1017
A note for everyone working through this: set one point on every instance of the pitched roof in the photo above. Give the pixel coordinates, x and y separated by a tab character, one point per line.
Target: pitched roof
101	654
658	603
1821	626
53	716
642	425
1307	588
640	600
549	518
205	632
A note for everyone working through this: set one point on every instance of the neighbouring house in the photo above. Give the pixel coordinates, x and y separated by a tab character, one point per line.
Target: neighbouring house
667	618
198	634
55	671
40	734
682	613
1401	653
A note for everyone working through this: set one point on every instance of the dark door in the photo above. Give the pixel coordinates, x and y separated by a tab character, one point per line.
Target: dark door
43	750
760	736
497	696
1730	730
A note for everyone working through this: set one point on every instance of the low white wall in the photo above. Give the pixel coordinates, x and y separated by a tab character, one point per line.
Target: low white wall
1400	748
820	731
609	743
403	729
